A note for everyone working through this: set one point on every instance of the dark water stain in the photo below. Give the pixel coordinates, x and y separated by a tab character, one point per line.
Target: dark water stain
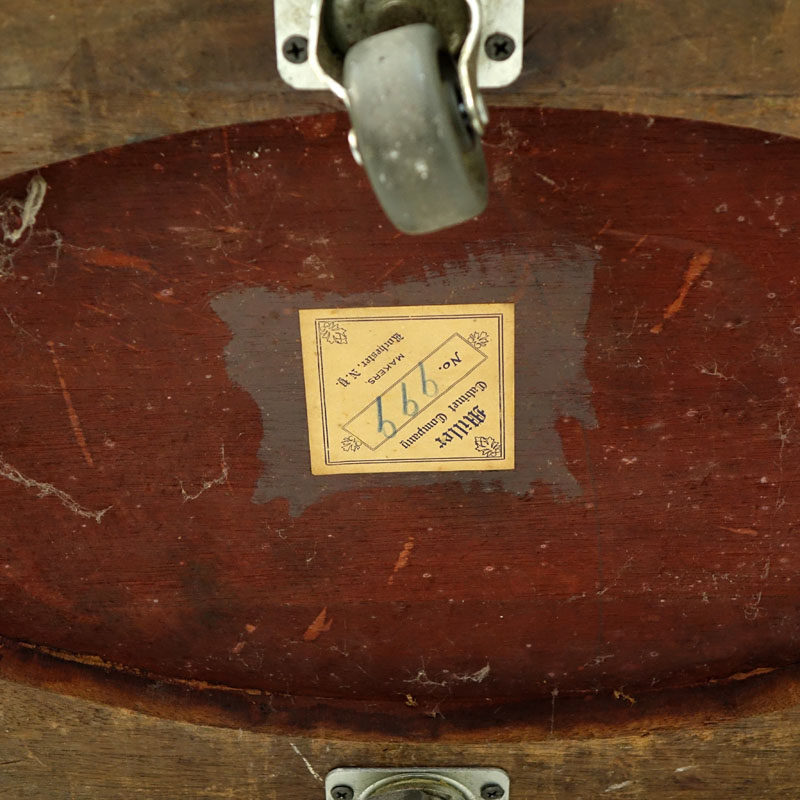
552	294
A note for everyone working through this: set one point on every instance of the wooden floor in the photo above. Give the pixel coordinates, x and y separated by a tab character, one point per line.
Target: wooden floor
82	76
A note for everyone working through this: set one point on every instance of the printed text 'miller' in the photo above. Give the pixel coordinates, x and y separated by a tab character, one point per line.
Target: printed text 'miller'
411	394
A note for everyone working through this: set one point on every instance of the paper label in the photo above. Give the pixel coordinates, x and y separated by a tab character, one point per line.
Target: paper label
409	388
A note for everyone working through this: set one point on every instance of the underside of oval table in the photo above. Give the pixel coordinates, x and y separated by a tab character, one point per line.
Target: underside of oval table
164	545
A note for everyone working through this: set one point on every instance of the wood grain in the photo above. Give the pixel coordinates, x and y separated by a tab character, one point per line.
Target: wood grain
80	76
61	748
159	511
85	75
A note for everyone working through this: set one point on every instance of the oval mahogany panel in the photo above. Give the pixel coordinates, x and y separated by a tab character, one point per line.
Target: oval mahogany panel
158	509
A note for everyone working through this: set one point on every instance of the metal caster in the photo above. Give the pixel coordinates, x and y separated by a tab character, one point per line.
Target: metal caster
408	71
410	131
417	784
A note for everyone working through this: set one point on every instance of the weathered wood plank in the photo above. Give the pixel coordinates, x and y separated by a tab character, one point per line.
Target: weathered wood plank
84	75
61	748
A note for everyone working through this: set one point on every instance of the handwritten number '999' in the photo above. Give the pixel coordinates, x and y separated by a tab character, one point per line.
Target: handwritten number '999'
410	406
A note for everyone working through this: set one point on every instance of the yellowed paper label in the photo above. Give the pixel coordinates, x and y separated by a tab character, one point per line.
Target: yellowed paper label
409	388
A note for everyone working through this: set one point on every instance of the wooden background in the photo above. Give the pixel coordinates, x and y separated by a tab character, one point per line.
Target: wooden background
82	76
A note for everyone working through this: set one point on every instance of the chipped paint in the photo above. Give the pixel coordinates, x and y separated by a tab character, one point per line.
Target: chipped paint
320	625
402	559
698	264
620	695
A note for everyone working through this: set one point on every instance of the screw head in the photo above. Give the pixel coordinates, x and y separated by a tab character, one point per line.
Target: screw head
295	49
342	793
492	791
500	46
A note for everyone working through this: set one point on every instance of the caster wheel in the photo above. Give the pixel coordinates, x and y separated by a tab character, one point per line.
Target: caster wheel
416	789
423	159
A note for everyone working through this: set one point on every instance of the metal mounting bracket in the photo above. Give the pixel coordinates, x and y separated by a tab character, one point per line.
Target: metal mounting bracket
458	783
504	18
409	72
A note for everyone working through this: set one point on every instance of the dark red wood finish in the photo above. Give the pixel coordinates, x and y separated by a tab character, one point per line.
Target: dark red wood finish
647	539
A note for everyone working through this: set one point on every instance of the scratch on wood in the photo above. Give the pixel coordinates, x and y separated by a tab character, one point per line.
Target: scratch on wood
228	162
102	257
597	660
639	242
625	567
319	626
402	559
422	679
547	180
73	415
17	327
714	372
95	661
742	531
697	266
311	769
743	676
33	757
752	610
615	787
206	485
99	310
620	695
48	490
475	677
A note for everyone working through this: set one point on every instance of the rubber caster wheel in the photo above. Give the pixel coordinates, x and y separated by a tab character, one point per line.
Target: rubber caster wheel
410	132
